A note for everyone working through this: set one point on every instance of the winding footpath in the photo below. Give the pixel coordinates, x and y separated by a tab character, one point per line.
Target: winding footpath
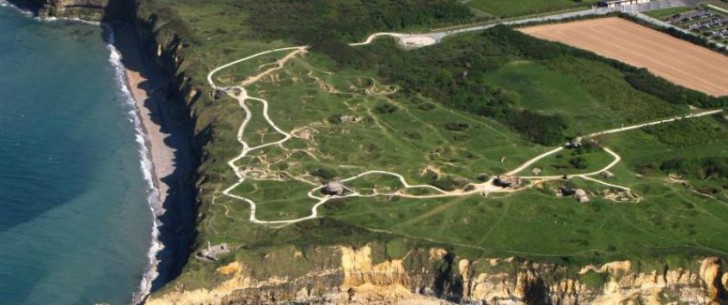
240	94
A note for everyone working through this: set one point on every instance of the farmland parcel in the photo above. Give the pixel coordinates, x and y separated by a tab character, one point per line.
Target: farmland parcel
676	60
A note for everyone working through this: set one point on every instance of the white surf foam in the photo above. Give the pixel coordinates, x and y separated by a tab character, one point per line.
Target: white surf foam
52	19
4	3
155	206
151	272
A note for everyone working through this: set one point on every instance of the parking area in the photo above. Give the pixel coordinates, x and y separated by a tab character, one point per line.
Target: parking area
707	21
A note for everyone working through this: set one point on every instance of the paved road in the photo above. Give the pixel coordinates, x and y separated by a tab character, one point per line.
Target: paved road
676	118
635	10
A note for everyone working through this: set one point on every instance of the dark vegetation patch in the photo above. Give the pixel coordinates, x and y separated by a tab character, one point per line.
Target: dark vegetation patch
700	168
686	133
324	173
452	74
594	280
449	183
646	82
457	126
385	108
316	22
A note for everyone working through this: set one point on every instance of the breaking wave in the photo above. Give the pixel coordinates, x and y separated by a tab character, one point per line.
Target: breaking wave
151	272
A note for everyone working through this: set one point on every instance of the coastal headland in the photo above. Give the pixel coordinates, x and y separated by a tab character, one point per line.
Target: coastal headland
535	246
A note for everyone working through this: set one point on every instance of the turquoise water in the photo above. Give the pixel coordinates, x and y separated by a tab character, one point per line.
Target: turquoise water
74	220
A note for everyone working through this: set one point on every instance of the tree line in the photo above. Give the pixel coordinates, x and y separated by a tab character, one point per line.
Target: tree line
321	21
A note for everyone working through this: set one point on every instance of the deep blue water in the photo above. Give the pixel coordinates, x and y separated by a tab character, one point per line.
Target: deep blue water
74	220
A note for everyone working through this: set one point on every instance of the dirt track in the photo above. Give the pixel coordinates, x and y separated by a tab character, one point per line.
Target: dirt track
674	59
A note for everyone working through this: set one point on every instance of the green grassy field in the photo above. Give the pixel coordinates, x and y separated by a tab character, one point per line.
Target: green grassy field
570	162
416	137
668	12
419	119
527	7
531	223
549	92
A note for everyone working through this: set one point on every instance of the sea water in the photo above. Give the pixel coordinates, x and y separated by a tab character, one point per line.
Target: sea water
74	218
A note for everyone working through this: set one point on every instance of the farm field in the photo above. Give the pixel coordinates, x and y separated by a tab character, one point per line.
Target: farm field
676	60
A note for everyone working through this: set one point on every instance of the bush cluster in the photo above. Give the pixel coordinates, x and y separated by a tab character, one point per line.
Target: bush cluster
315	22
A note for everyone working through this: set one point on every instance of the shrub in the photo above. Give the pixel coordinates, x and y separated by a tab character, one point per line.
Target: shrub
334	119
578	163
386	108
457	126
594	280
324	174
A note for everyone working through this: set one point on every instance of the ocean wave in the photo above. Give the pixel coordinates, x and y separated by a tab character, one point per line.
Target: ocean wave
155	206
74	19
4	3
151	272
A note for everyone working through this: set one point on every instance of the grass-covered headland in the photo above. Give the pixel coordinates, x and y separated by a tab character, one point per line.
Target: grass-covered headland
474	106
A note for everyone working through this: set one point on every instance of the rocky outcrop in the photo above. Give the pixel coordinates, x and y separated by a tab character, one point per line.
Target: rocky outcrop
435	276
84	9
90	10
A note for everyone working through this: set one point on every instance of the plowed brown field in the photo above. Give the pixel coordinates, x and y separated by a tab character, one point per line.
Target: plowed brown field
674	59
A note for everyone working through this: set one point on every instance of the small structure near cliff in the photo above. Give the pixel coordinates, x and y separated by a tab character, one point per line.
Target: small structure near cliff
565	191
606	174
574	143
536	171
211	253
335	188
217	93
581	196
507	181
350	119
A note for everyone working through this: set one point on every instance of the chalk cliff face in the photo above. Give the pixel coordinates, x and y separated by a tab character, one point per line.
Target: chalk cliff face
90	10
84	9
431	276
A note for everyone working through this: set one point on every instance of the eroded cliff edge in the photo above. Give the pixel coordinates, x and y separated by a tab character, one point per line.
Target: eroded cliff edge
349	275
89	10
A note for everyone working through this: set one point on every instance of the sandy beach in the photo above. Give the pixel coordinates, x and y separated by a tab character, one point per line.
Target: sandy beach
147	106
168	130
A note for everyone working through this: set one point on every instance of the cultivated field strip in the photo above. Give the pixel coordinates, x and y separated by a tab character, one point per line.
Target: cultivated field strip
676	60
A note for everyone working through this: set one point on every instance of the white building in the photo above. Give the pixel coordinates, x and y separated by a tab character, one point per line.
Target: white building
618	3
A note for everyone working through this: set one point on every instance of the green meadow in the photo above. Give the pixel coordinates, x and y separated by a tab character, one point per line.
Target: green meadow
473	107
527	7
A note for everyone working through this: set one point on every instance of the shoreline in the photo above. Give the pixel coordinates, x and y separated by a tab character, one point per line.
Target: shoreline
166	155
161	155
149	170
159	161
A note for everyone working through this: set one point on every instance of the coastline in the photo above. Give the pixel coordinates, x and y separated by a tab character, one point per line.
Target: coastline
154	197
162	155
165	156
159	156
